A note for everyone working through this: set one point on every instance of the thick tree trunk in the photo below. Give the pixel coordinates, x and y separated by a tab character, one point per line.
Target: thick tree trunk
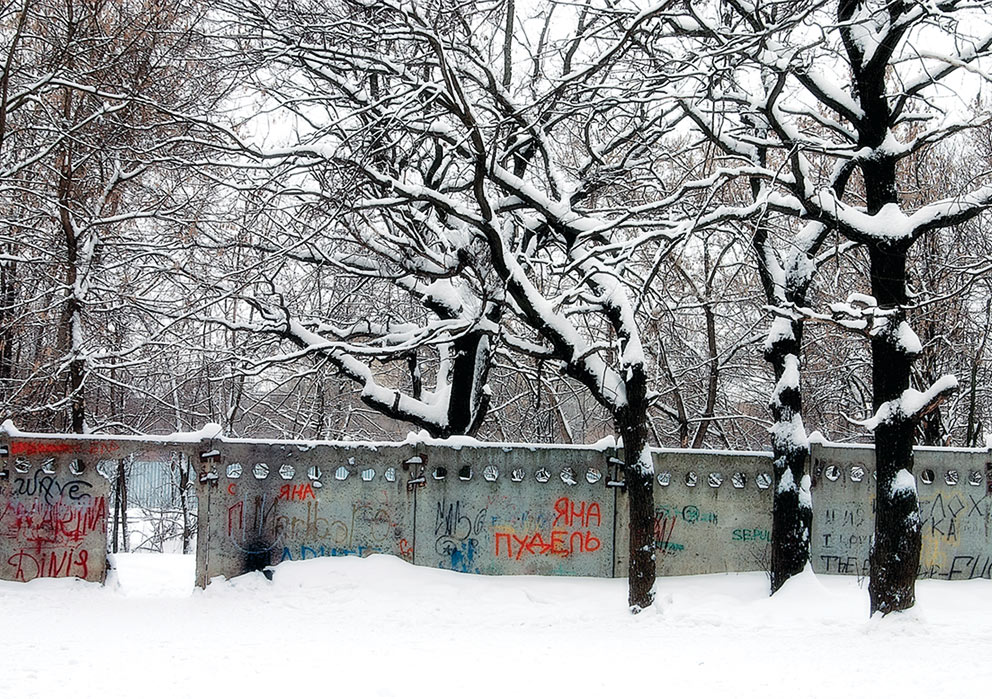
470	368
792	512
895	554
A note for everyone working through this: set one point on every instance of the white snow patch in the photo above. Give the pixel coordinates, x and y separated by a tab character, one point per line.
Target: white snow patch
805	497
152	635
907	340
911	402
786	482
904	481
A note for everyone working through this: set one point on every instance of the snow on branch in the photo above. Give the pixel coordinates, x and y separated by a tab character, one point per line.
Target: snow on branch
912	404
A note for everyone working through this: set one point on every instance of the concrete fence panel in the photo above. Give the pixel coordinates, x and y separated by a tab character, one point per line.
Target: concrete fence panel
954	489
53	507
712	513
264	503
516	510
480	508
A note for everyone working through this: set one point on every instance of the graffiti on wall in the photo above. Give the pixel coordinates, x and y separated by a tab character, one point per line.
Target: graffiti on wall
53	515
712	513
954	497
486	509
574	530
518	511
258	515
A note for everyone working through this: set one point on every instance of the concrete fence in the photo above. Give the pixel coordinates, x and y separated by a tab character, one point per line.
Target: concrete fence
477	508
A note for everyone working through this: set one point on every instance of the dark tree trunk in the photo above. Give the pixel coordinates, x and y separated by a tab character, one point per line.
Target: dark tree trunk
123	479
639	479
120	509
895	554
792	514
115	539
8	297
183	465
470	368
77	374
72	315
713	379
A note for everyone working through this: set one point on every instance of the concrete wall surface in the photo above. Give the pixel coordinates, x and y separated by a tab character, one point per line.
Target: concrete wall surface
712	513
487	509
955	491
492	509
53	510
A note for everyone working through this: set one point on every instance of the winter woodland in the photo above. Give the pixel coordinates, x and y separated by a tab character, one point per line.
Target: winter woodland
715	224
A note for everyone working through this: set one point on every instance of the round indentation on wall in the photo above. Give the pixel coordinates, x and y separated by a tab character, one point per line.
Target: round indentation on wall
465	473
22	465
715	480
317	484
368	474
313	473
234	470
260	471
927	476
832	472
439	473
542	475
490	473
567	476
390	474
691	479
48	466
858	473
517	475
593	475
952	477
340	473
664	478
763	481
739	479
975	478
77	467
286	472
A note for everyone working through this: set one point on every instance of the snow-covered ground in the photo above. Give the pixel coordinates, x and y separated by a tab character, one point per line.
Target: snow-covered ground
378	627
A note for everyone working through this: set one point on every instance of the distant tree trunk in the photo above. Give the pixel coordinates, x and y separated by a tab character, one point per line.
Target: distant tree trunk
713	379
974	429
120	506
115	538
183	467
72	320
8	297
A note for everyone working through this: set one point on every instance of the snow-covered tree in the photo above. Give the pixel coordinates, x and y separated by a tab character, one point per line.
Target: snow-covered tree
526	185
863	86
88	158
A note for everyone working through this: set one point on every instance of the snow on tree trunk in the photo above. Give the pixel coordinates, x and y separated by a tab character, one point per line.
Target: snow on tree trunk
895	554
792	511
